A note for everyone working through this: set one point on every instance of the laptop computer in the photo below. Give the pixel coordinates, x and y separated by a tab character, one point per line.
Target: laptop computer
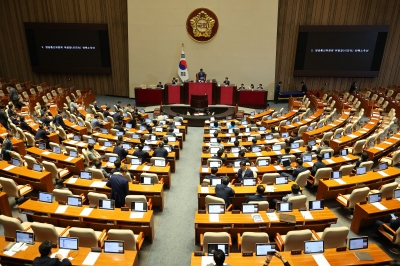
136	161
37	167
383	166
24	237
104	130
247	130
112	159
138	206
314	205
285	135
262	128
216	208
284	207
159	163
310	128
171	139
77	138
263	162
361	170
114	246
107	144
311	142
307	158
249	182
71	243
281	180
311	247
336	174
74	201
212	247
106	204
375	197
135	136
230	131
358	243
249	139
146	180
215	164
126	146
215	181
45	197
295	145
344	152
56	150
128	126
249	208
16	162
213	140
255	149
42	145
91	141
320	124
263	249
276	147
338	135
286	163
73	154
396	193
326	155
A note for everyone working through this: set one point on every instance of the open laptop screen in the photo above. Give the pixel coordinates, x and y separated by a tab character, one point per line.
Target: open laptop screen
263	249
344	152
25	237
235	149
42	145
358	243
106	204
276	147
159	162
215	181
212	247
137	206
314	205
77	138
85	175
216	208
361	170
285	134
249	182
236	164
307	158
171	139
214	150
107	144
268	137
57	150
281	180
316	246
249	208
383	166
128	126
336	174
37	167
283	206
114	246
256	149
15	162
112	159
311	142
68	243
375	197
74	201
45	197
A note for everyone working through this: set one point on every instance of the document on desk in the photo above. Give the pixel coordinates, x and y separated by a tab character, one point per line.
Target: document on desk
12	253
81	144
258	153
330	160
136	215
72	180
72	141
205	260
204	169
278	152
296	150
277	167
321	260
395	138
307	215
346	158
272	216
269	188
8	168
98	184
204	190
61	209
86	211
235	154
91	258
340	181
103	148
379	206
257	218
62	251
379	148
214	218
133	167
382	173
387	142
352	136
310	164
69	159
146	168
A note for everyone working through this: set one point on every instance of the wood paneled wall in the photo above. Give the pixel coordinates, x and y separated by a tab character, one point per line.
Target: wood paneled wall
14	56
293	13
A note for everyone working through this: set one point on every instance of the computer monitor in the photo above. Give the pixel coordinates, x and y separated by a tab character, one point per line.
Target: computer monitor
56	149
73	154
91	141
250	138
72	120
268	137
136	161
232	139
74	201
371	144
119	133
107	144
45	197
336	174
326	155
236	164
361	170
104	130
24	237
213	140
77	138
106	204
285	162
230	131
112	159
159	163
383	166
235	149
215	181
396	193
114	246
311	142
249	208
126	146
212	247
171	139
314	205
262	249
262	162
295	145
138	206
358	243
320	124
71	243
142	128
148	120
283	206
214	150
177	123
42	145
247	130
316	246
16	162
276	147
249	182
153	137
307	158
338	135
146	180
216	208
344	152
135	136
146	148
255	149
285	135
375	197
287	123
215	164
281	180
310	128
244	123
162	122
37	167
128	126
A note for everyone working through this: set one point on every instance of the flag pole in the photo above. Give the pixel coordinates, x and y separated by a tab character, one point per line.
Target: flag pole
182	47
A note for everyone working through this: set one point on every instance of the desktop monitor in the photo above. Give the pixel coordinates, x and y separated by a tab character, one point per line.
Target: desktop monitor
283	206
216	208
126	146
74	201
262	162
320	124
249	182
310	128
107	144
252	113
138	206
396	193
255	149
215	181
249	139
371	144
176	130
262	249
326	155
269	117
235	149
142	111
142	128
213	140
316	246
344	152
285	162
72	120
42	145
112	159
153	137
268	137
104	130
307	158
114	246
73	154
215	164
136	161
125	114
128	126
171	139
358	243
249	208
338	135
247	130
71	243
177	123
56	149
91	141
375	197
311	142
51	130
24	237
276	147
45	197
159	162
37	167
281	180
314	205
244	123
230	131
146	180
119	133
361	170
106	204
146	148
295	145
162	122
212	247
15	162
214	150
285	135
85	175
236	164
77	138
383	166
336	174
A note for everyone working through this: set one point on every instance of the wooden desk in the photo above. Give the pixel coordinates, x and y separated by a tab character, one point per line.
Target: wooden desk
41	181
328	189
240	223
276	121
306	121
43	212
153	192
53	137
147	97
74	166
27	256
74	128
366	214
258	116
334	258
383	148
5	208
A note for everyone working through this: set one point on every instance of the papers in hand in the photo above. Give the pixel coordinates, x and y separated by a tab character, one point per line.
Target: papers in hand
257	218
86	211
61	209
91	258
213	218
307	215
272	216
379	206
136	215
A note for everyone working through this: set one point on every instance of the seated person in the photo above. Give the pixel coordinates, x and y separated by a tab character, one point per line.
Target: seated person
117	126
319	164
118	116
364	158
120	151
118	106
171	124
295	192
174	81
260	87
394	224
273	130
308	151
232	125
214	171
170	132
46	119
95	123
241	157
236	144
106	112
92	154
324	146
97	165
227	82
45	259
127	108
117	168
300	168
294	136
258	196
214	124
160	151
224	191
251	87
219	258
218	143
218	155
42	134
244	172
159	85
144	155
242	87
178	118
252	123
96	107
287	152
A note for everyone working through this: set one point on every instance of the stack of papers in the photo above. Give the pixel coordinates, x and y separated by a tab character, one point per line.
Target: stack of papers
214	218
98	184
257	218
382	173
379	206
72	180
61	209
379	148
272	216
307	215
91	258
340	181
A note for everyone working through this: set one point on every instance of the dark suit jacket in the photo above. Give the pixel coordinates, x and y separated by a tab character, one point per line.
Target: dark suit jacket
242	159
304	88
316	166
41	134
60	121
119	128
119	189
224	192
247	174
298	170
121	152
47	261
4	119
160	152
293	139
256	198
117	117
106	113
141	154
46	121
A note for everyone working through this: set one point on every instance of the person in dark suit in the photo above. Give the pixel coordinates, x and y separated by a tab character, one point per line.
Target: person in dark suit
144	155
118	116
300	168
287	152
241	157
258	196
95	106
353	87
242	87
303	87
118	127
45	260
227	82
322	146
119	189
214	171
201	76
42	134
117	166
46	119
120	151
224	191
364	158
219	156
7	147
106	112
160	151
277	91
244	172
294	136
24	126
4	118
319	164
133	121
59	120
11	110
308	150
159	85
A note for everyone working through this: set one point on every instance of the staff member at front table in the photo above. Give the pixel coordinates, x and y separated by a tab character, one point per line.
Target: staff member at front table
201	76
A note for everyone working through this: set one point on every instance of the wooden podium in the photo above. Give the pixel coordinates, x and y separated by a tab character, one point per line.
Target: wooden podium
199	101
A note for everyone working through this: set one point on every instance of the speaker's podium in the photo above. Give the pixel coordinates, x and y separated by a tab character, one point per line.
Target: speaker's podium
199	101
